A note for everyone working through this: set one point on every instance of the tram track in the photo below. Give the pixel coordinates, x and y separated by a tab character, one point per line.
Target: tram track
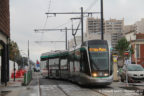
65	93
99	92
63	90
39	89
62	87
96	91
57	85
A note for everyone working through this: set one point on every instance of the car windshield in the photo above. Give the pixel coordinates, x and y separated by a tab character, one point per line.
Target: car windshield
134	68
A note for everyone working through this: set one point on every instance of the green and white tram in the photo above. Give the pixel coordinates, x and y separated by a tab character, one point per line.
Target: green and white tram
88	64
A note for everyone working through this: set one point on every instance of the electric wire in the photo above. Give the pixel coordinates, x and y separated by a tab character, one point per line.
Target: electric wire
62	24
61	37
74	33
49	6
90	7
45	23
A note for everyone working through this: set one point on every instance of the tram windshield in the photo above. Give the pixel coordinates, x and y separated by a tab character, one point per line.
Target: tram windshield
99	57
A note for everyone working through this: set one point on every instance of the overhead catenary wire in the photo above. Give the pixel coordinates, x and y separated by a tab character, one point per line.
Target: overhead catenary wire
91	5
82	13
67	22
45	23
69	13
49	6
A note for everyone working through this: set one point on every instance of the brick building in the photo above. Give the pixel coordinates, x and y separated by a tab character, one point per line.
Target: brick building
4	40
138	46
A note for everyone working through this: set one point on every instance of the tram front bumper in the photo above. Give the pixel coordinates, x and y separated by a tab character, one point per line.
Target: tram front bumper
97	81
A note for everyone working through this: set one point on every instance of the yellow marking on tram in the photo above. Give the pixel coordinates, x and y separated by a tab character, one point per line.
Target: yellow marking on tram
97	49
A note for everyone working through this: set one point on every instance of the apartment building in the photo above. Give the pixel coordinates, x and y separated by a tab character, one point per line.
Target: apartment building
129	32
139	26
93	28
114	27
113	30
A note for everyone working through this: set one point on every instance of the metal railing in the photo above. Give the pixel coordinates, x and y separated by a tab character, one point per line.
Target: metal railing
27	77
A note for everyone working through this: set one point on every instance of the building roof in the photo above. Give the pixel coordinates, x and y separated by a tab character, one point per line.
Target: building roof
53	54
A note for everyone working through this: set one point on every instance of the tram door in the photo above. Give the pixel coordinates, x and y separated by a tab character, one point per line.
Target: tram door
54	68
64	68
84	66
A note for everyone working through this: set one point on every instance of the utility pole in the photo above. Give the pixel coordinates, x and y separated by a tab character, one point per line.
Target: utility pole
102	31
14	68
66	37
82	25
28	57
15	55
66	30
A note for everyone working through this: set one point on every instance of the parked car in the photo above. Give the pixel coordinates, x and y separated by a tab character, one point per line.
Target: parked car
135	73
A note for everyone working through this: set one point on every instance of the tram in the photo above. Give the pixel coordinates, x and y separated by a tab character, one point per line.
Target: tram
90	64
43	66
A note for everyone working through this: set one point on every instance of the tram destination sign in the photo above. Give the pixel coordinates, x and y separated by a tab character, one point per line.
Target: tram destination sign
97	49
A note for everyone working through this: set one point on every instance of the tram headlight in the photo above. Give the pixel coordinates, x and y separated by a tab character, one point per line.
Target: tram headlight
105	74
94	75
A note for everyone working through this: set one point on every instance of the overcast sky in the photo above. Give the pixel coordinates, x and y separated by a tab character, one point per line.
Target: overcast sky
27	15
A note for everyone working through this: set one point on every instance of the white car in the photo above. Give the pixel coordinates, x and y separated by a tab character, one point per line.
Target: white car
135	73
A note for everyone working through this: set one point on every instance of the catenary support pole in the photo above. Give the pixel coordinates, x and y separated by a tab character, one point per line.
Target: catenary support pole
66	37
28	57
82	25
102	33
14	69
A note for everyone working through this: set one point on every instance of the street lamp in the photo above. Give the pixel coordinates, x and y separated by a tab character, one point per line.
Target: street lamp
14	63
102	31
23	53
23	61
26	76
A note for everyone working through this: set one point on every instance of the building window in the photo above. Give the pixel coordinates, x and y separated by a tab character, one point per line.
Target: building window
137	50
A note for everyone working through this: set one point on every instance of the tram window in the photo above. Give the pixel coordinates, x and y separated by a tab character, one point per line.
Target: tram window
42	64
71	66
50	61
63	63
77	66
54	63
47	64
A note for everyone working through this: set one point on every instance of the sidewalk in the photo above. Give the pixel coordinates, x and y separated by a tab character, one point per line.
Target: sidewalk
11	87
16	88
17	82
